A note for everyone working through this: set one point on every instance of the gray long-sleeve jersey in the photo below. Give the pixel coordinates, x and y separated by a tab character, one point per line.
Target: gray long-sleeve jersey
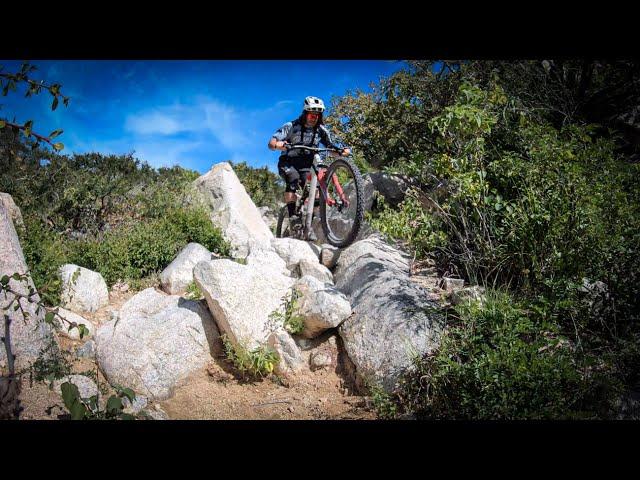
295	133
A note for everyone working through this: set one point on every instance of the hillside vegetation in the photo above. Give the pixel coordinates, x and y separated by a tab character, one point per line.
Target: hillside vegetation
112	214
527	183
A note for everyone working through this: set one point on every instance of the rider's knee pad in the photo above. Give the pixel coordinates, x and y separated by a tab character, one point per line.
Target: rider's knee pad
292	178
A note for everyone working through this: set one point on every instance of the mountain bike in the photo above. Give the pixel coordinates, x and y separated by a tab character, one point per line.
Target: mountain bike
338	190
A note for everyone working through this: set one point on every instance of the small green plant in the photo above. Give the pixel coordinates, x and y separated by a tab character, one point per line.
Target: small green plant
383	402
89	409
51	364
194	292
287	313
259	362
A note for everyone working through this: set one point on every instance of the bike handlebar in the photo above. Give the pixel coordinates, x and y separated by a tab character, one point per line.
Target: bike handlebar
311	149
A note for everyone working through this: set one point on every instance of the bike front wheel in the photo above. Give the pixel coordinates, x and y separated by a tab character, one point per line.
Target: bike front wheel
342	212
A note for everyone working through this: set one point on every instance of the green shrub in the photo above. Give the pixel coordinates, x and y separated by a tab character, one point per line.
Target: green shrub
51	364
138	250
80	408
259	362
45	251
130	252
498	361
193	292
383	403
287	313
410	222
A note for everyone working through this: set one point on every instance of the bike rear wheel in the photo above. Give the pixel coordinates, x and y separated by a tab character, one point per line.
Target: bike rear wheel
341	221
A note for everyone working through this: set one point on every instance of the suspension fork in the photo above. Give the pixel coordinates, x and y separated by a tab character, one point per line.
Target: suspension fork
311	199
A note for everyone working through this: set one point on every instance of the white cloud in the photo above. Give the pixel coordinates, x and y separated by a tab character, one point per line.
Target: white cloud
282	103
227	125
205	121
166	154
153	123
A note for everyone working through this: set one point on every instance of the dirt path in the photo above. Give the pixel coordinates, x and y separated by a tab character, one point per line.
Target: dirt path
219	391
215	394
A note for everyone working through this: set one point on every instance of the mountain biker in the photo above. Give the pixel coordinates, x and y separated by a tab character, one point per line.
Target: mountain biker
294	165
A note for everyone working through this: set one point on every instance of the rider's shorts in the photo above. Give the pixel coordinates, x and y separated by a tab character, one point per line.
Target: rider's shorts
294	171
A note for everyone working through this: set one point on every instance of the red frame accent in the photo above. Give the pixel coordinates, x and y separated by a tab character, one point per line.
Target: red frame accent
334	178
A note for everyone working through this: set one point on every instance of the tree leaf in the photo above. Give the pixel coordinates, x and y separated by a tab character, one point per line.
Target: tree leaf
58	146
114	404
54	105
83	330
127	392
78	411
55	133
2	123
70	394
49	317
4	280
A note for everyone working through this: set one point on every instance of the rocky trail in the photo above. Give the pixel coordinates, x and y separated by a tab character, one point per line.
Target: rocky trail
362	313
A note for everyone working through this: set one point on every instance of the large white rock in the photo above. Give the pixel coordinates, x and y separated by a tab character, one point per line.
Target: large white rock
392	321
329	255
269	217
241	298
316	270
156	341
27	339
320	305
292	251
12	209
74	317
232	209
291	358
392	187
267	259
83	290
179	273
86	387
375	248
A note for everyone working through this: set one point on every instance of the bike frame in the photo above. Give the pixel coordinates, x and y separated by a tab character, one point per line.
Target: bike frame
316	178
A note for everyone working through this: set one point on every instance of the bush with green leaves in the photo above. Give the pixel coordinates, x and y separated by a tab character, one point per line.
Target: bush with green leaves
193	292
51	364
384	404
410	223
110	213
501	359
258	362
131	251
517	190
288	314
137	250
89	408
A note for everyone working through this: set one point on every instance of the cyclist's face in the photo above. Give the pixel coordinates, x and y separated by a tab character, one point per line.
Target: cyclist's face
312	118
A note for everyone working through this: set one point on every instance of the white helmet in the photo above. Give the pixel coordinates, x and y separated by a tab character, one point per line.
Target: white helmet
313	104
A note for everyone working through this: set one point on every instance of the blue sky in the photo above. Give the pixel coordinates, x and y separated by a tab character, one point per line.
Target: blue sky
191	113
